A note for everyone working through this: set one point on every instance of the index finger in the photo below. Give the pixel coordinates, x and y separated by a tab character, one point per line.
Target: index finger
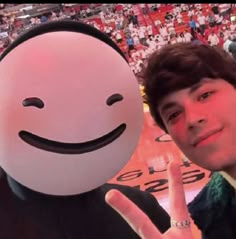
178	206
133	215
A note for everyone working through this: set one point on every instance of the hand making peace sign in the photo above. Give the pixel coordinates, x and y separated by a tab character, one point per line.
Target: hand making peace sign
142	225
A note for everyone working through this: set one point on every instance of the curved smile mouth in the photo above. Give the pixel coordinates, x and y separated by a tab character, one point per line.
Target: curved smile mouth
71	148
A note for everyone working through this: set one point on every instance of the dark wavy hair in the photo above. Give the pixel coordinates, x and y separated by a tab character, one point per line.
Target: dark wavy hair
181	65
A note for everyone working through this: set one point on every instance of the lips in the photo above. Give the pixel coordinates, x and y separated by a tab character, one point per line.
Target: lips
204	136
71	148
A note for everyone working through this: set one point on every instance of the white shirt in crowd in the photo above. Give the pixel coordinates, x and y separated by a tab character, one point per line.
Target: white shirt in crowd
118	35
179	16
107	29
149	30
32	20
198	6
131	26
132	66
163	31
232	27
161	40
176	10
227	33
223	7
157	22
142	5
187	36
213	39
141	34
218	18
179	20
136	39
102	16
148	51
190	13
226	45
142	54
134	55
173	41
179	39
201	20
138	67
183	7
151	44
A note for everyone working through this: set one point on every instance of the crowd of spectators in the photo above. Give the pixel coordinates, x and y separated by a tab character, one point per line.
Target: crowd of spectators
138	29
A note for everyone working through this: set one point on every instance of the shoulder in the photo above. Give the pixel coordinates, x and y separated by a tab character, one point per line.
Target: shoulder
211	203
217	190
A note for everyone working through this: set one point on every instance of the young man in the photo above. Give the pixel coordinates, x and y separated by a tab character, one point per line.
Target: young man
191	93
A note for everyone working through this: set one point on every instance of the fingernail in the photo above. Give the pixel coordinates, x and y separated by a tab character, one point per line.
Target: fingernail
108	196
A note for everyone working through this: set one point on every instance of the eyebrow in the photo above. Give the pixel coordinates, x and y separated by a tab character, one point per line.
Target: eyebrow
195	87
192	89
167	106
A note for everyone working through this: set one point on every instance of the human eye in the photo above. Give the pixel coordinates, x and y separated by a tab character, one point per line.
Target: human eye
205	95
173	116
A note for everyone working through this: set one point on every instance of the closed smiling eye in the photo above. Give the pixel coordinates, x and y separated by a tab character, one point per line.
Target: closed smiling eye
114	98
33	101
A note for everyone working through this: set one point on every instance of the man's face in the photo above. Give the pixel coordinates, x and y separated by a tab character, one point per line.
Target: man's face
202	122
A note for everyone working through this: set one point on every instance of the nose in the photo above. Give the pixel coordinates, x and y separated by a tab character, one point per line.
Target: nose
195	118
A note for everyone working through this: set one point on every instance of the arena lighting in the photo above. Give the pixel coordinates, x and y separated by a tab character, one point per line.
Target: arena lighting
233	18
26	8
23	17
3	35
69	5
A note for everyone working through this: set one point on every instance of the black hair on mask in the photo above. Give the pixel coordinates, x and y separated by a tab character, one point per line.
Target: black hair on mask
63	25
